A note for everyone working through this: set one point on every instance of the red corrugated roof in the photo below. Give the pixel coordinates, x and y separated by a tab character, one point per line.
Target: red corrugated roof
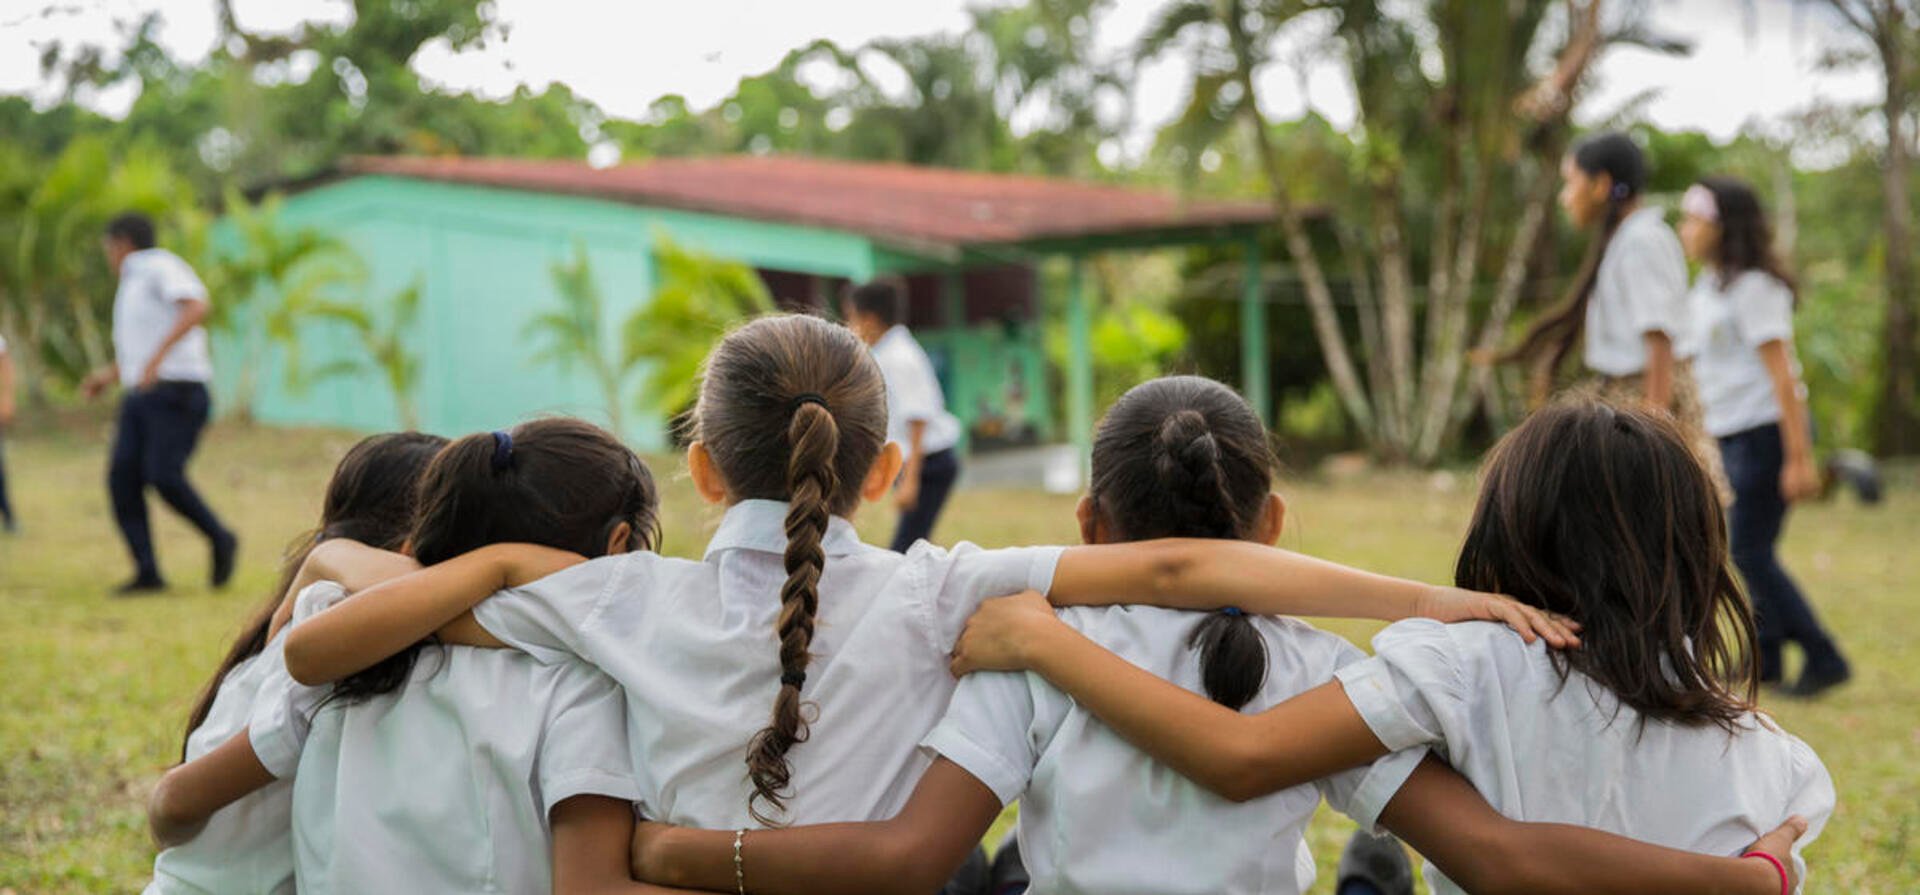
890	202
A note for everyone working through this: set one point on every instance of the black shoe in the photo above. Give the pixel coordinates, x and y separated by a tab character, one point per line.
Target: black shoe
1377	861
1815	681
226	549
1857	469
141	586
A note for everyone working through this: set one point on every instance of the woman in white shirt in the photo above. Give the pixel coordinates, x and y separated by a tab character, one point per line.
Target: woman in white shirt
788	605
243	847
1175	457
1647	731
1750	384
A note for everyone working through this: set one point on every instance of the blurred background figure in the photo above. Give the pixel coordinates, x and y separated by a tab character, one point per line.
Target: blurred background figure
7	522
917	416
162	364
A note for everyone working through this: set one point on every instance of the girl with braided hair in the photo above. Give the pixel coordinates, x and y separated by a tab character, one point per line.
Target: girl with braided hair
788	675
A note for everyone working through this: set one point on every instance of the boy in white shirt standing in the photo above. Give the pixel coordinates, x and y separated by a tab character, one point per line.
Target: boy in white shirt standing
917	417
162	362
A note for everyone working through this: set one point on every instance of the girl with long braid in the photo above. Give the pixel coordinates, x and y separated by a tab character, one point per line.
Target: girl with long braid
850	640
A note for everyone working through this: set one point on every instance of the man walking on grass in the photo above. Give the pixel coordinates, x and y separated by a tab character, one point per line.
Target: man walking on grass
163	366
917	417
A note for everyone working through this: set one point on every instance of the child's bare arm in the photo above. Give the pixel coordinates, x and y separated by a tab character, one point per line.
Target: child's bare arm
190	793
389	617
913	853
1442	816
1237	756
590	842
1192	573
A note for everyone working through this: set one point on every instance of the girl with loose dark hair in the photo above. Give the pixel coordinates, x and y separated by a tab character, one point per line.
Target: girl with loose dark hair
1596	511
1751	387
788	676
368	507
1175	457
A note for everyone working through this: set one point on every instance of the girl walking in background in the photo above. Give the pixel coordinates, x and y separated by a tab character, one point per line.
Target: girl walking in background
1755	405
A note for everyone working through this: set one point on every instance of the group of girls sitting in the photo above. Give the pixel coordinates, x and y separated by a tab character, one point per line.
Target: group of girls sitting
480	677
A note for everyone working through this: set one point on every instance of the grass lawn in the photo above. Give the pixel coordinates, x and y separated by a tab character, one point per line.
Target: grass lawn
96	689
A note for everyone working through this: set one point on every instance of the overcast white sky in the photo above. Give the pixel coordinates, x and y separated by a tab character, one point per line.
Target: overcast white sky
1753	60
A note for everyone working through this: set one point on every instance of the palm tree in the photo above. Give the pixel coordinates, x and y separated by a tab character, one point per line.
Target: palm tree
575	332
1493	117
696	300
265	276
383	344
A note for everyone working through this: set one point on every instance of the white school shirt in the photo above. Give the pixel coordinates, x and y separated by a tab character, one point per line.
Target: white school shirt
1492	706
913	393
153	282
1730	325
445	785
1641	288
245	847
692	643
1100	816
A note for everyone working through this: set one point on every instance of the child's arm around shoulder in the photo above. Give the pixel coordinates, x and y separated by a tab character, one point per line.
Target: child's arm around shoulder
189	794
1205	574
591	836
387	618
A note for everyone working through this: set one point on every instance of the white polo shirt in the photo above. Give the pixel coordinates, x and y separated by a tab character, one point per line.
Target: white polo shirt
246	847
1730	324
692	643
153	282
1099	815
913	393
1641	288
445	785
1545	750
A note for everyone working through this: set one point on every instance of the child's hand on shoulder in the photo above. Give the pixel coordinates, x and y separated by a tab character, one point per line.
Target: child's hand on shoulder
1005	634
1453	604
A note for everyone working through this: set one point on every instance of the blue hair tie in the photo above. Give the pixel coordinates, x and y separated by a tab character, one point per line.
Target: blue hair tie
1621	191
502	450
1232	612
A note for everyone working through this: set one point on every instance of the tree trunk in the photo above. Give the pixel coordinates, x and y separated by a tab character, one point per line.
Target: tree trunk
1897	425
1326	323
1396	314
1506	296
1447	344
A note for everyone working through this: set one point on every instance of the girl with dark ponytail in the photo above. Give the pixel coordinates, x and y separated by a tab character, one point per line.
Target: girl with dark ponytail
1628	298
366	512
789	675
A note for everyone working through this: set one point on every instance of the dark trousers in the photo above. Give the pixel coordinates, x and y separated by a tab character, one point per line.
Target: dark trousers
156	434
6	506
1753	460
937	474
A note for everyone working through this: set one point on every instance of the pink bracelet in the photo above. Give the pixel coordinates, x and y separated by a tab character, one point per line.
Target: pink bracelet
1786	880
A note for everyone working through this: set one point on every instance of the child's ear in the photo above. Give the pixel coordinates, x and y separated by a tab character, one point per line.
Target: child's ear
1273	516
620	540
881	475
1089	520
706	477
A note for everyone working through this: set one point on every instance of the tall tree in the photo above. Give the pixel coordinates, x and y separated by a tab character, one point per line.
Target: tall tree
1494	114
1892	29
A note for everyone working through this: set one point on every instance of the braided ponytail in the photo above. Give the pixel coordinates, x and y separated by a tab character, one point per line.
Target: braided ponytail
792	408
811	482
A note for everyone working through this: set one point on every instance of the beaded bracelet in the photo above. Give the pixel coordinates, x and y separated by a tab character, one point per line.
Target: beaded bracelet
739	867
1786	880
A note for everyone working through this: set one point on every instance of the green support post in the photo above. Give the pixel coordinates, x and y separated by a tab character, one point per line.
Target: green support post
960	401
1253	333
1079	364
